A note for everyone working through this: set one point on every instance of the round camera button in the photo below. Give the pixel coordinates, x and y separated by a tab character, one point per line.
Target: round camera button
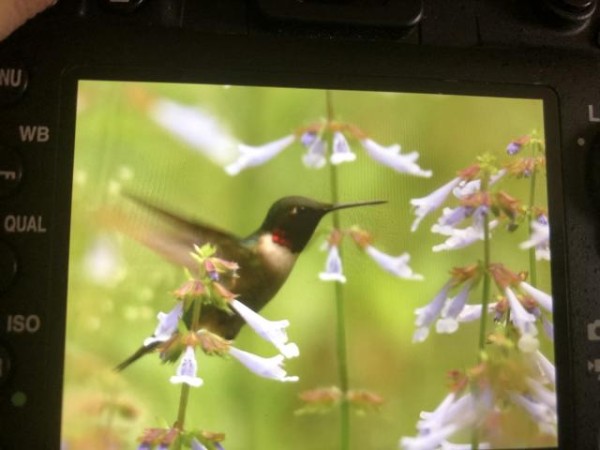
11	171
13	83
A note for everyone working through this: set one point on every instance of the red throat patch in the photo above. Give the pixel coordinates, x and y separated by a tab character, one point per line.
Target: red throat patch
278	236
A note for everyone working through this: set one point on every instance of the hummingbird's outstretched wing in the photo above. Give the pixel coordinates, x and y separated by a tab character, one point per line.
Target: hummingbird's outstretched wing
170	235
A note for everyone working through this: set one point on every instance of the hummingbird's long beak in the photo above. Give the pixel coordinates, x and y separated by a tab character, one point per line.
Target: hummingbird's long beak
355	204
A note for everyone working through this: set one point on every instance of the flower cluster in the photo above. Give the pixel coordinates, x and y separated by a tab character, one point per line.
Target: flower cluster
396	265
486	397
315	137
518	301
476	202
166	438
540	238
207	290
471	188
527	166
180	332
324	400
512	374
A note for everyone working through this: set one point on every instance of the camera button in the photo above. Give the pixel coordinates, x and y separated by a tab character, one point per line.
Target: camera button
13	83
8	266
11	171
5	365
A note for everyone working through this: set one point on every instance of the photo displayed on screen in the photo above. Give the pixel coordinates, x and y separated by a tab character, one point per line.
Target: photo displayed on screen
284	268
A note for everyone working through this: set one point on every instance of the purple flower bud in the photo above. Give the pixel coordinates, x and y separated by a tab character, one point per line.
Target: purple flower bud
308	138
513	148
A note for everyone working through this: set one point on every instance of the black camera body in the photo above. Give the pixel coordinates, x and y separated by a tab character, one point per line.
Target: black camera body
545	49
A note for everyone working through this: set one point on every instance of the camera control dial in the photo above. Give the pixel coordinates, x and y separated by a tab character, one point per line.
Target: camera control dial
13	83
574	11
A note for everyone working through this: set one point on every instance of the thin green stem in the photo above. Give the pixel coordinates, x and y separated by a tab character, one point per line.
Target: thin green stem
185	388
183	402
485	299
486	285
342	352
532	260
342	369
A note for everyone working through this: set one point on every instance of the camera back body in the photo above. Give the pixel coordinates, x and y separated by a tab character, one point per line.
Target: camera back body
64	63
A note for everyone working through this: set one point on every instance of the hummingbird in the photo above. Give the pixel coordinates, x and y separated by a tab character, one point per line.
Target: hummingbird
265	258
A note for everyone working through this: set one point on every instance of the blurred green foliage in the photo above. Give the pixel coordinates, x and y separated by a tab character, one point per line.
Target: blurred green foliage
118	146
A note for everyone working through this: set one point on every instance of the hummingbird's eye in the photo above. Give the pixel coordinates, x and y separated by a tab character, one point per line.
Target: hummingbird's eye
294	211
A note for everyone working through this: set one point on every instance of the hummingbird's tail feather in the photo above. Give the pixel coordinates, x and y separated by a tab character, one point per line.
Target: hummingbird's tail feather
142	351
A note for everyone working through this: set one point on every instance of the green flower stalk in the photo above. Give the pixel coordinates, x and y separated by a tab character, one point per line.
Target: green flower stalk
179	334
520	307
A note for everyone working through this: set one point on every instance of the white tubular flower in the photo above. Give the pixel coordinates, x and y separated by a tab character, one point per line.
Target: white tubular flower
460	237
546	367
197	445
396	265
426	205
463	410
543	415
434	420
270	331
524	321
448	322
255	156
453	216
428	441
167	325
265	367
341	150
186	372
473	312
543	299
541	393
315	157
548	328
528	343
466	188
539	239
196	128
333	266
391	157
452	415
427	314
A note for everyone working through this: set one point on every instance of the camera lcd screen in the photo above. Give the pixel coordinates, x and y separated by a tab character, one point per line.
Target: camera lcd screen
298	268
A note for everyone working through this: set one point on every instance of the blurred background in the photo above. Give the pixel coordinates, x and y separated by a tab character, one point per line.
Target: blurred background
124	143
